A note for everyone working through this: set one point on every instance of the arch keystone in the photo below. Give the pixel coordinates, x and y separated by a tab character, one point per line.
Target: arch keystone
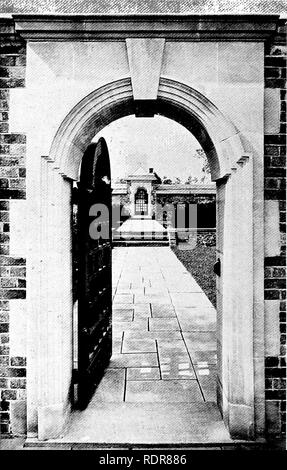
145	61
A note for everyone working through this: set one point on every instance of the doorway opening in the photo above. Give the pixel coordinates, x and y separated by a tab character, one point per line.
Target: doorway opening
164	325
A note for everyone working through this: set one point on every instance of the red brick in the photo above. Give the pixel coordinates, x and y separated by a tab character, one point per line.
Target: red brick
275	61
3	371
7	60
3	383
275	83
272	150
18	383
14	83
18	361
269	72
4	428
4	205
12	294
4	305
279	272
4	350
4	327
4	361
272	183
271	294
4	249
275	394
8	282
11	261
4	339
9	395
13	139
4	271
17	183
4	417
17	272
4	183
4	237
267	272
21	372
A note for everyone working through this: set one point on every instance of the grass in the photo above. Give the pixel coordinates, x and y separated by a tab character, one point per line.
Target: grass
199	262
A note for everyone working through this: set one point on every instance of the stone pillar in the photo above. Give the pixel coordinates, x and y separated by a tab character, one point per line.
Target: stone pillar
50	318
237	306
56	367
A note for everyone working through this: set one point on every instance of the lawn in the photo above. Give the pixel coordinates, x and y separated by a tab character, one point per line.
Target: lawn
199	262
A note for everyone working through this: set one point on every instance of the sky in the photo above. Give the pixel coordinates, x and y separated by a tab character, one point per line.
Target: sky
158	143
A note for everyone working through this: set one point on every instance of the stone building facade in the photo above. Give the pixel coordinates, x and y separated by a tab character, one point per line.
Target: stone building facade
164	201
17	74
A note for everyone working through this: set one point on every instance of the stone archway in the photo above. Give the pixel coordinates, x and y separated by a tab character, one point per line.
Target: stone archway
50	300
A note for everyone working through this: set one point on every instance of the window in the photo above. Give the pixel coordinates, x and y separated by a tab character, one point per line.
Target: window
141	202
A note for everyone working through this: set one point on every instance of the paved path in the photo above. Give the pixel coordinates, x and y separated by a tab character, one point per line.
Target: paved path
163	329
160	384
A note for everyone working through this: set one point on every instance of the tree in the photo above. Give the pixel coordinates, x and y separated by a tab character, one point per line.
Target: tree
200	154
192	180
166	180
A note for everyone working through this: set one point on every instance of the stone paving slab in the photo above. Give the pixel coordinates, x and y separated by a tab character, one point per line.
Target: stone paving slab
172	348
138	346
159	335
118	306
138	324
176	368
200	340
123	315
134	360
195	299
162	311
117	346
168	324
142	309
143	373
163	391
152	298
124	299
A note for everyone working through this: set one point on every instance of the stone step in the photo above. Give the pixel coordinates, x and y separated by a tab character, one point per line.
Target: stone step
140	242
141	239
140	235
139	424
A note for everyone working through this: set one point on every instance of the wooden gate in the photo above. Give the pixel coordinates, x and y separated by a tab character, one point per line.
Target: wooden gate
94	273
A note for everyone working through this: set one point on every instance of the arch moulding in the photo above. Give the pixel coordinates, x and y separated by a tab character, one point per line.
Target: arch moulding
217	135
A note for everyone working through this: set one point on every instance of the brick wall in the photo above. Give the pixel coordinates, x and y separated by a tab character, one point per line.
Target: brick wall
12	186
275	270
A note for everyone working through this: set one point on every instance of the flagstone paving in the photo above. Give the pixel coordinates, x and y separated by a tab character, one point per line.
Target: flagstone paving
160	386
164	344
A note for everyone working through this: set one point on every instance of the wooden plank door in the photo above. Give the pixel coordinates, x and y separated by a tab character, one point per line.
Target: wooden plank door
95	274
